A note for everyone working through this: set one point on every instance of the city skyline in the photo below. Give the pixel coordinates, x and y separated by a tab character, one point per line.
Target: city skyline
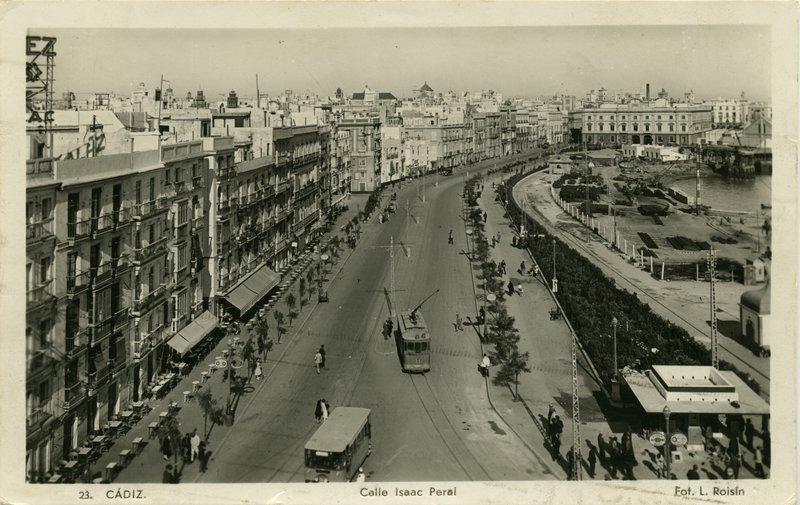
399	59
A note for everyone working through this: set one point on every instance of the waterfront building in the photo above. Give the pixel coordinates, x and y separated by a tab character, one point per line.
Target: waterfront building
636	122
730	112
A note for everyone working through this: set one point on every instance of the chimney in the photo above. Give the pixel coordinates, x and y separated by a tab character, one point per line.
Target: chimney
647	93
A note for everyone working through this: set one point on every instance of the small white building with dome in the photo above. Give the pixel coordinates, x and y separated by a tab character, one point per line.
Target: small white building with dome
754	315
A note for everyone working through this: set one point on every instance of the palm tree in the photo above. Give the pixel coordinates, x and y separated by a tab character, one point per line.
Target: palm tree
510	369
211	411
302	290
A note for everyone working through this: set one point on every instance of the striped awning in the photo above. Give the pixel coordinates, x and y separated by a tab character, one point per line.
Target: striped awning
249	292
194	332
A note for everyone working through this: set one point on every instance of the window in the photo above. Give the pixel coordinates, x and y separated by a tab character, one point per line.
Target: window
183	212
194	170
672	138
44	270
647	127
611	127
658	127
683	127
672	127
636	127
152	189
362	162
624	127
166	176
44	332
46	206
601	127
182	257
44	391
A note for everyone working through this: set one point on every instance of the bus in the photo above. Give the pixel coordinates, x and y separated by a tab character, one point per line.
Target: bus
339	447
414	342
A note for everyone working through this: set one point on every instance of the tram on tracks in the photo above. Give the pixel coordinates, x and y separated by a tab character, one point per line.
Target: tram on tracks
414	340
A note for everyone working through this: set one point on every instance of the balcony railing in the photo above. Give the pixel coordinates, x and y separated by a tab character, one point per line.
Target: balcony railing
77	230
78	283
39	360
101	274
78	342
145	302
39	230
101	329
146	209
306	190
181	187
283	186
197	182
39	294
119	265
144	253
306	158
36	418
74	394
98	377
226	173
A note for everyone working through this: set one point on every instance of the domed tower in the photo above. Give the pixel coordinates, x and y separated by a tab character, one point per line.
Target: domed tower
754	314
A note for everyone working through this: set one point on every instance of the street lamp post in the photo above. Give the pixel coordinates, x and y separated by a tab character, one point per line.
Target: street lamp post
667	451
555	280
614	323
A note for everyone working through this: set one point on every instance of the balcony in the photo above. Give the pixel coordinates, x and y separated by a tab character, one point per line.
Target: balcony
73	396
101	329
306	220
226	173
181	232
197	182
146	302
41	230
43	166
306	158
307	190
198	222
281	215
37	361
36	419
101	275
78	230
283	186
147	252
119	265
77	283
77	343
144	210
39	295
99	377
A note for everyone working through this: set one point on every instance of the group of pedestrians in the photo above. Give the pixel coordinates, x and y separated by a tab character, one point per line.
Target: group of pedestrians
322	410
616	455
190	447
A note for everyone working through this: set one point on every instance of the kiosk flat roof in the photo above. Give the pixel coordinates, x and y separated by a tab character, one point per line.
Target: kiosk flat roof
652	401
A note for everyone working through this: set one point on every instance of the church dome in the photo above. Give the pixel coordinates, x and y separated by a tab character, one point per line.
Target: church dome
757	299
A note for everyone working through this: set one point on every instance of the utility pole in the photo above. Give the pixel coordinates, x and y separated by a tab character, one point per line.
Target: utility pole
712	265
576	413
258	95
697	184
555	280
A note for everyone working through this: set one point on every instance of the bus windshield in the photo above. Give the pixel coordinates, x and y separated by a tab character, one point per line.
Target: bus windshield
333	460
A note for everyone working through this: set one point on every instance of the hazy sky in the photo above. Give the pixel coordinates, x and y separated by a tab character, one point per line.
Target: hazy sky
517	61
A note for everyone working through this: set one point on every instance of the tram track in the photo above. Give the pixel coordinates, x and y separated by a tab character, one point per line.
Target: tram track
442	424
578	244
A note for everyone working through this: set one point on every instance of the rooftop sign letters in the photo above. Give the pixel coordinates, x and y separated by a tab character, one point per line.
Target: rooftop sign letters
38	81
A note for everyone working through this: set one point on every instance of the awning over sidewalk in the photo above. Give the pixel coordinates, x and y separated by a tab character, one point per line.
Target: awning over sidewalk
193	333
246	294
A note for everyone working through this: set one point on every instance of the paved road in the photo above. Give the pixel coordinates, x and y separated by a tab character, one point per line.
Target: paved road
434	427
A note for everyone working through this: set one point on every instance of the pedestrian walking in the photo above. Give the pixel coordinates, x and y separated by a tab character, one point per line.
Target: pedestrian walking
259	372
758	463
322	352
601	448
318	411
498	237
317	361
521	268
592	459
660	468
202	455
519	290
551	411
693	474
510	287
570	463
484	366
482	315
361	476
165	447
494	241
736	464
186	447
485	216
502	267
749	432
766	439
194	442
459	322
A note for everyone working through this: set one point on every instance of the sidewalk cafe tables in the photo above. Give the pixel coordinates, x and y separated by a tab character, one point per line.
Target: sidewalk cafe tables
99	440
181	367
137	406
114	426
157	390
84	452
126	414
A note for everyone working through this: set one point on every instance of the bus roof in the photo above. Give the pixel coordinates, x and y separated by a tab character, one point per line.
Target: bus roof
338	430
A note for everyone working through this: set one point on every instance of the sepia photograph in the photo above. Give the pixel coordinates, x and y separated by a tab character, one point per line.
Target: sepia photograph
432	252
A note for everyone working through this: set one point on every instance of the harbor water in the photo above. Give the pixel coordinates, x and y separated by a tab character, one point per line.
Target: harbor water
738	195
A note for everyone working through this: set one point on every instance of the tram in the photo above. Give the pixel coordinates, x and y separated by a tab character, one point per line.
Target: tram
414	341
339	447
